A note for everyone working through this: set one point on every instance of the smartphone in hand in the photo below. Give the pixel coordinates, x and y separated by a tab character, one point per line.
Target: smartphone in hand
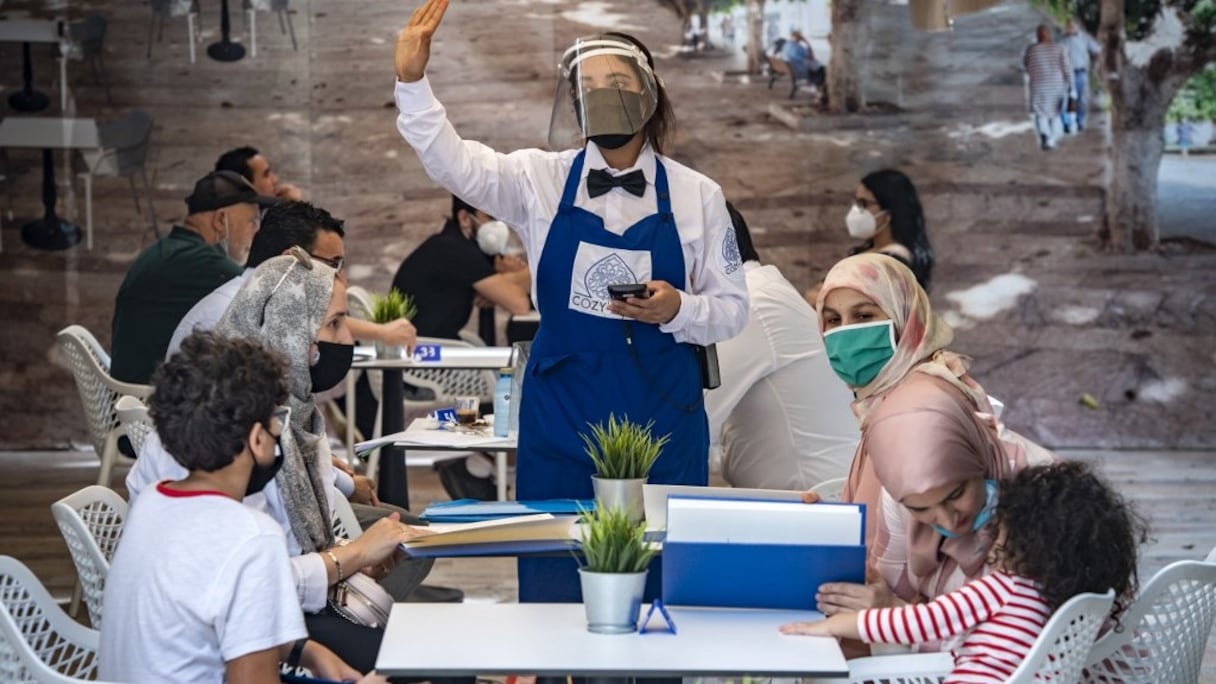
624	291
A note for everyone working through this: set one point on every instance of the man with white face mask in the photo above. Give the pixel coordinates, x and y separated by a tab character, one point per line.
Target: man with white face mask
174	273
449	269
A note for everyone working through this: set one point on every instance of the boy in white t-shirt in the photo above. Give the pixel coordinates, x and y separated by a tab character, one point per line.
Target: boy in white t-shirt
200	589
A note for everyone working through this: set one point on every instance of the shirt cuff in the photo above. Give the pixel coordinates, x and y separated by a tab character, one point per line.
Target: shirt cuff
344	483
312	581
413	97
681	318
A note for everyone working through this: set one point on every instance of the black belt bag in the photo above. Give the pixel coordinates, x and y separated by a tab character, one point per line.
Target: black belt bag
707	362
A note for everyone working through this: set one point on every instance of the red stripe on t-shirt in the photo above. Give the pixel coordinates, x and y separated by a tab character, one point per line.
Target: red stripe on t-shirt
163	488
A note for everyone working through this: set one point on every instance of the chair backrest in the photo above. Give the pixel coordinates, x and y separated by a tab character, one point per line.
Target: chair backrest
133	418
90	35
450	383
830	490
1061	649
346	525
90	366
1164	632
38	641
359	301
91	522
128	136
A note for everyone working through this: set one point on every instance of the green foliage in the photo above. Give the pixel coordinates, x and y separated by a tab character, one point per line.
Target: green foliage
392	306
1139	15
623	450
611	543
1196	101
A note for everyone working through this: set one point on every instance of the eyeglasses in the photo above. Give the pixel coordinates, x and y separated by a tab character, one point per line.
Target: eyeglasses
863	203
281	414
303	259
333	262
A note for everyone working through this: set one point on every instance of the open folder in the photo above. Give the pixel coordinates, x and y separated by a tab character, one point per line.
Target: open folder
519	534
759	554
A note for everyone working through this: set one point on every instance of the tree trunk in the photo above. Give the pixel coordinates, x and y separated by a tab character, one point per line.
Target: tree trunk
703	15
755	36
845	91
1131	195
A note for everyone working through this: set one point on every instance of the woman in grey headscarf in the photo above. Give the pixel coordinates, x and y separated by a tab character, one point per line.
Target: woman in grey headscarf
296	306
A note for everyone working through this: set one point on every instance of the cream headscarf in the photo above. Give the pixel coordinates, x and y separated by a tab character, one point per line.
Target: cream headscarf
282	305
921	337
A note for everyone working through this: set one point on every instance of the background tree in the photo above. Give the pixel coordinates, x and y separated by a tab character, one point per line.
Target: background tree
1150	48
850	19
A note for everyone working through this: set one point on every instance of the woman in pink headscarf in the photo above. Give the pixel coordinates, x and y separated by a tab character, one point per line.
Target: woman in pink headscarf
931	450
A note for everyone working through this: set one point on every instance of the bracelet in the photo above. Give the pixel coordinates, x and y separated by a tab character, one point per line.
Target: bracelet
297	650
337	563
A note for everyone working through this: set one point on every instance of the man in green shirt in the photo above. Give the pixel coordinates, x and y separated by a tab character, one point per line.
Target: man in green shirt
181	268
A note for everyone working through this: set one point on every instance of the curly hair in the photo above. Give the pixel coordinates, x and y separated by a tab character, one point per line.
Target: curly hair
210	394
1068	530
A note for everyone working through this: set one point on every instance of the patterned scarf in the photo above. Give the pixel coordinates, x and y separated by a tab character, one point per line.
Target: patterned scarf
282	305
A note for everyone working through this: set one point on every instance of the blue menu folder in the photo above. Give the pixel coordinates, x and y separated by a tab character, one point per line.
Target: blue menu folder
473	510
759	554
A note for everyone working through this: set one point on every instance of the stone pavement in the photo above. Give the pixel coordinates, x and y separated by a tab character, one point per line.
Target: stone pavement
1046	314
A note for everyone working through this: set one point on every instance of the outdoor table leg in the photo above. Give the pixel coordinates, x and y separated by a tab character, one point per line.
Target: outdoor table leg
225	50
50	231
27	99
394	485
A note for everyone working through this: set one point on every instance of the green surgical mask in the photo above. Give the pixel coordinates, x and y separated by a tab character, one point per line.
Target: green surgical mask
858	352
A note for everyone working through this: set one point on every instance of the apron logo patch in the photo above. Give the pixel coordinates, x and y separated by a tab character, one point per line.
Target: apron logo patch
731	258
595	268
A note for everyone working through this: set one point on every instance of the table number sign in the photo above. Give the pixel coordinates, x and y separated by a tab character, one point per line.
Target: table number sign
428	352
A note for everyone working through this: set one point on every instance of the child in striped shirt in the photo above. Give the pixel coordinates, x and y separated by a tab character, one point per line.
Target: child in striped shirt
1062	531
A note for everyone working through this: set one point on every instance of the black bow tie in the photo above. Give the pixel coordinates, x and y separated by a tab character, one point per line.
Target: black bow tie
600	182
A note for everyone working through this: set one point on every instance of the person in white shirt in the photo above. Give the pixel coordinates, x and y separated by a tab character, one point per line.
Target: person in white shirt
296	306
199	589
781	419
613	210
1080	48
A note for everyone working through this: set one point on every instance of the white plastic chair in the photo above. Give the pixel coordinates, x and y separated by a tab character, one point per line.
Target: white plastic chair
91	522
1164	632
163	9
279	7
90	366
38	641
1058	654
133	417
346	524
830	490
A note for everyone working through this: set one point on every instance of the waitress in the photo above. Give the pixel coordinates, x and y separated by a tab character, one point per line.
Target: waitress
612	210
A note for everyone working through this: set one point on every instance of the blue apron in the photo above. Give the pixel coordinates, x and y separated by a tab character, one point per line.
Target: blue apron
581	369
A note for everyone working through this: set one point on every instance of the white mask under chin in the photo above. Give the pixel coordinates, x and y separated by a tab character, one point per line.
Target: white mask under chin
861	223
492	237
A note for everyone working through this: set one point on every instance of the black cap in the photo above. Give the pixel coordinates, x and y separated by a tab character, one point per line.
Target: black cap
220	189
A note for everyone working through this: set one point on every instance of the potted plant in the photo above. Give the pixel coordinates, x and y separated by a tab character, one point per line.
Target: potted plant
386	309
613	573
623	453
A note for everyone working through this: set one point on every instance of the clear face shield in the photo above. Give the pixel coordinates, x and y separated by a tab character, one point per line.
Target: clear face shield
605	92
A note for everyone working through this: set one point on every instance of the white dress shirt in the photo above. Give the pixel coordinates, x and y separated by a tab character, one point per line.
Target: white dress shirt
781	418
206	312
155	464
524	189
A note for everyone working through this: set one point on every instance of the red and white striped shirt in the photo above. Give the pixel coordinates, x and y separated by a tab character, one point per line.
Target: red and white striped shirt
999	617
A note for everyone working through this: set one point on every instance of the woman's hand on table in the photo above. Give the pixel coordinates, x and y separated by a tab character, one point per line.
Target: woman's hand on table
660	307
414	43
838	597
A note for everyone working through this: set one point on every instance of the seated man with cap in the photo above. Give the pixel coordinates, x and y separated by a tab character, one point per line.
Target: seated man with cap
170	276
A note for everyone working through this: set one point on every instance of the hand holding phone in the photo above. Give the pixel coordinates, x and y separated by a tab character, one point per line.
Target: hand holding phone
623	291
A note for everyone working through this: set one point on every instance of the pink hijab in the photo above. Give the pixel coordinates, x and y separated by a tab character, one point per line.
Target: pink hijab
927	434
921	337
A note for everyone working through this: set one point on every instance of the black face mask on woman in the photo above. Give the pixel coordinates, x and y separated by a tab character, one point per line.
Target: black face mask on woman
332	363
612	141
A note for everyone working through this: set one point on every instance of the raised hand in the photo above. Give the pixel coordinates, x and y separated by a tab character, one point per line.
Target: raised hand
414	42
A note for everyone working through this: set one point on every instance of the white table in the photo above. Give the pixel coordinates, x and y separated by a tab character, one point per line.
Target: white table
393	483
49	133
418	436
28	31
463	639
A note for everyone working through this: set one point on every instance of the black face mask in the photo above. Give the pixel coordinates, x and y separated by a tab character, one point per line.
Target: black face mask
333	362
262	475
612	141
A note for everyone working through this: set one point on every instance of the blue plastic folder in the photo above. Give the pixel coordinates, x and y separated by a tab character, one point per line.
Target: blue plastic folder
759	554
472	510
